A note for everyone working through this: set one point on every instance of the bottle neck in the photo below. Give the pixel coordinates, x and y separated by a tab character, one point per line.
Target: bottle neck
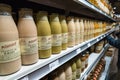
28	16
5	13
54	18
42	18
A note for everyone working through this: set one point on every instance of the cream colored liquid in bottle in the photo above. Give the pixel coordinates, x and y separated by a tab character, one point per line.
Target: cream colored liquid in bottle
74	69
28	37
56	33
61	74
10	60
78	66
81	31
44	35
77	29
71	32
64	32
68	72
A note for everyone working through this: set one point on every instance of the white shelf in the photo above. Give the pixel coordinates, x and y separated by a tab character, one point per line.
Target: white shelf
93	60
45	66
92	7
104	74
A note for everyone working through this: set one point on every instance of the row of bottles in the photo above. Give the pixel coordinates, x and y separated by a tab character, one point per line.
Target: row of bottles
71	70
27	42
98	46
104	5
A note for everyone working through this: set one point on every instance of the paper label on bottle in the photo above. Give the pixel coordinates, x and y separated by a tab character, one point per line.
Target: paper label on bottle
74	75
64	37
68	76
99	47
78	72
86	61
9	51
56	40
83	64
29	45
44	42
71	36
78	35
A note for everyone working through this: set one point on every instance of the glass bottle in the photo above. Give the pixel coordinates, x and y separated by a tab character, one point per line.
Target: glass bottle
56	33
71	31
77	29
64	32
28	37
44	35
10	60
78	66
68	71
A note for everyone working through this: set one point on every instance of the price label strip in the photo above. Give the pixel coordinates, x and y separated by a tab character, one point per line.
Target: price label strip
88	44
54	65
25	78
78	50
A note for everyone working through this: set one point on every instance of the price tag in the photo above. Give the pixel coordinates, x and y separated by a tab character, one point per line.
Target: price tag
53	65
25	78
88	44
97	39
78	50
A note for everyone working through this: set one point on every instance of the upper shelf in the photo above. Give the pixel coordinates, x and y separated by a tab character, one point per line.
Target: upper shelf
83	8
92	7
66	7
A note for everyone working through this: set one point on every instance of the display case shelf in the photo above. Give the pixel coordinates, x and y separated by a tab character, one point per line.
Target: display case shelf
105	73
93	60
45	66
92	7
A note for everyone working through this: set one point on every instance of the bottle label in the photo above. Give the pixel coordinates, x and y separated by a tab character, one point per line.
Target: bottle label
56	40
71	37
44	42
29	45
83	64
74	75
9	51
68	76
99	47
86	61
64	37
78	73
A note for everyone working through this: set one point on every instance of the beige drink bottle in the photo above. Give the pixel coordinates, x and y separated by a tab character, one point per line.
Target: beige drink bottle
68	71
28	37
81	30
71	31
77	29
10	60
74	69
56	33
64	32
44	35
61	73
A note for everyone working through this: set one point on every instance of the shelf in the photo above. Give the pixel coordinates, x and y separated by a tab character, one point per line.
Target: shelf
92	7
93	60
104	74
107	66
65	7
45	66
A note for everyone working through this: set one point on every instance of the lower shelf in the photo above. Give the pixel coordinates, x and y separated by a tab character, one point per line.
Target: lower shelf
105	72
93	59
